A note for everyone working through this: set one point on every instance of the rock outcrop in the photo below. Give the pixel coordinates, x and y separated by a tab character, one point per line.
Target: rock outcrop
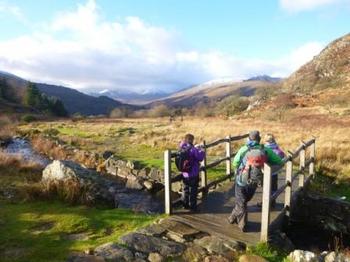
148	244
81	182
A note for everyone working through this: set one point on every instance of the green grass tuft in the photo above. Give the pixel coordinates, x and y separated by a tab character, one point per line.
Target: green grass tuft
21	229
268	252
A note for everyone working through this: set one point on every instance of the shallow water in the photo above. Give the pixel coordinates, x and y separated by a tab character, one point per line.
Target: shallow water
22	148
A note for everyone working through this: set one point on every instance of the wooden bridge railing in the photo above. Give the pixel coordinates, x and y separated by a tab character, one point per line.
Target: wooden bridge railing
287	187
291	175
204	185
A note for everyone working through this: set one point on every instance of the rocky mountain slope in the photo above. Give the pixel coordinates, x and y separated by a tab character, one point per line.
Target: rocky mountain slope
329	69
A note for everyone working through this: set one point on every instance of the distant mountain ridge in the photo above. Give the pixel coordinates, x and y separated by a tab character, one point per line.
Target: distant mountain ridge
129	97
73	100
215	90
265	78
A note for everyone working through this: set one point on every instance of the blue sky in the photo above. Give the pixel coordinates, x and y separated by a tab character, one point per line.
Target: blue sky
163	45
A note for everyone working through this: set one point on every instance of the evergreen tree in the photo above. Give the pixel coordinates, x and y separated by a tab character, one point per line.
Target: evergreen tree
57	108
42	102
33	96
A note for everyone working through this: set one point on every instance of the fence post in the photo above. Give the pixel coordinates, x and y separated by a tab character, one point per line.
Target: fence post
228	155
313	159
167	181
265	213
204	170
288	191
302	167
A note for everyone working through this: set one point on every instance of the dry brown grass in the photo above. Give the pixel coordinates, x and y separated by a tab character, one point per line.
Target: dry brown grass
331	131
16	162
7	127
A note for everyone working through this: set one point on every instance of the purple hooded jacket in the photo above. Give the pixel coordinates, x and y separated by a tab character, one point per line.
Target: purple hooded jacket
276	149
196	156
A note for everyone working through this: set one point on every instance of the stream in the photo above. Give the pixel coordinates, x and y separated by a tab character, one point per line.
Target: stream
22	148
132	199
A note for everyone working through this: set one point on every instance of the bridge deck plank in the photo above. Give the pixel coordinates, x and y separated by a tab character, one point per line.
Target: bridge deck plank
214	210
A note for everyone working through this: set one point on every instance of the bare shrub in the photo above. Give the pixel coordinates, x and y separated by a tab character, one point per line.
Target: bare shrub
70	191
17	162
159	111
49	148
120	113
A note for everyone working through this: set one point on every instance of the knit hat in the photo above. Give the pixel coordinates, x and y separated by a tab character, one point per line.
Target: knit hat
269	138
254	135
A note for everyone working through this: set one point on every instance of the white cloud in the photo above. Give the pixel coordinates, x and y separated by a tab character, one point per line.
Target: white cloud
83	50
303	5
12	10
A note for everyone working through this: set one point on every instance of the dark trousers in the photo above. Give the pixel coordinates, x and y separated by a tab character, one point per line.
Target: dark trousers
190	191
274	183
243	194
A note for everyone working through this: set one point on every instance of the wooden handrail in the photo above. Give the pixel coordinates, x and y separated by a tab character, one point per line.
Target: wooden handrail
287	187
217	142
304	164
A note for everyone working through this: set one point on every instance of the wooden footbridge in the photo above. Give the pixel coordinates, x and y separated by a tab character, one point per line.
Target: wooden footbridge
217	197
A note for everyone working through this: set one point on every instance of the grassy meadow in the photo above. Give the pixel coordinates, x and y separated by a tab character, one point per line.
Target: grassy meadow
145	140
38	230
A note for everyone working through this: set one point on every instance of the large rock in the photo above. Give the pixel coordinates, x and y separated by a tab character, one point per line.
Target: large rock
179	232
149	244
156	175
215	259
91	186
113	252
336	257
303	256
133	182
155	257
194	253
155	230
119	167
216	245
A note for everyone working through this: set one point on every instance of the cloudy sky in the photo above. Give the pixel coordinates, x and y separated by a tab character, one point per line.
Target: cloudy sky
159	45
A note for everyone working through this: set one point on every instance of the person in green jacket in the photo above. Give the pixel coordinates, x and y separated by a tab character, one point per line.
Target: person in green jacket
249	162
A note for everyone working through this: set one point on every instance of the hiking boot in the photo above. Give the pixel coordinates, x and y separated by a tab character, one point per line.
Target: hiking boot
231	220
243	229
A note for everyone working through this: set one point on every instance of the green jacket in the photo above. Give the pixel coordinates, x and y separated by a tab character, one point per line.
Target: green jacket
272	158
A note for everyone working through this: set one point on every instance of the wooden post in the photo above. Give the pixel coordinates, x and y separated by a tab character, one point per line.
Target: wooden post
265	213
313	157
288	191
301	167
228	155
204	181
167	182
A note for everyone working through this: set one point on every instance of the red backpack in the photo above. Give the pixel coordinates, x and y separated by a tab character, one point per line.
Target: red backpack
254	160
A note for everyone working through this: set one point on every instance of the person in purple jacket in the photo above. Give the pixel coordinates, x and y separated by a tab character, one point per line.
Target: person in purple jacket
191	178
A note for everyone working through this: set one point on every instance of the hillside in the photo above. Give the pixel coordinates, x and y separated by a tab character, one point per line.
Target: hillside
329	69
73	100
214	91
